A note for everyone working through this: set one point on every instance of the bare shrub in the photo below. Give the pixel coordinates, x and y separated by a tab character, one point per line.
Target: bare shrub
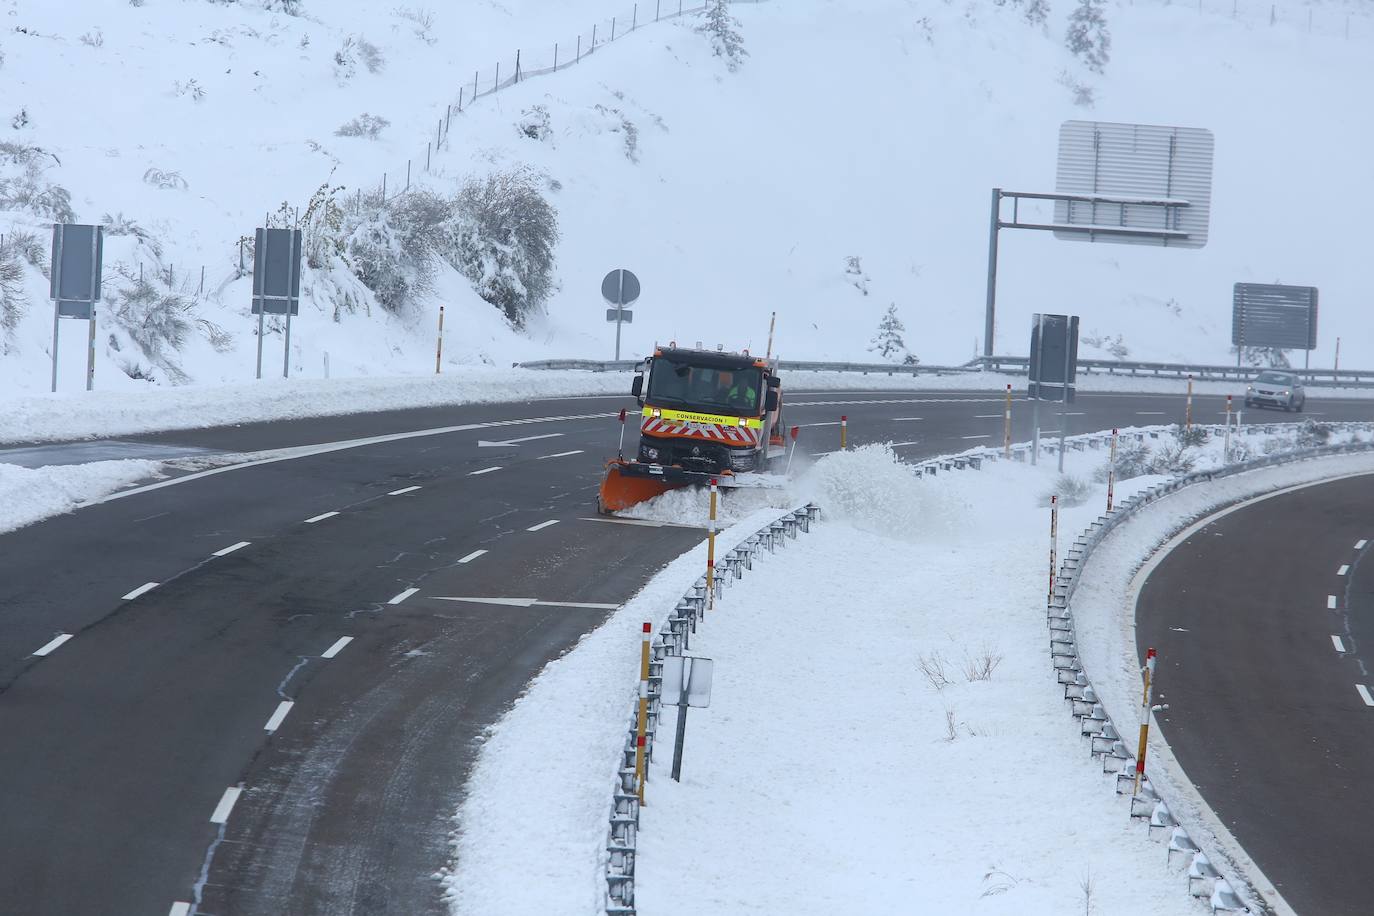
30	247
165	180
951	725
364	125
1132	459
1171	460
93	39
1313	434
981	666
13	304
353	50
534	123
1072	491
933	666
421	19
1190	436
504	238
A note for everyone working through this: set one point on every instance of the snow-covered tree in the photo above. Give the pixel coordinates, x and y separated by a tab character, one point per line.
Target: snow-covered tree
1087	36
722	30
1036	11
888	342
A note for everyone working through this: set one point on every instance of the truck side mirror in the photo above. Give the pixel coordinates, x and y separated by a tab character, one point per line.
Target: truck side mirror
637	386
774	381
771	404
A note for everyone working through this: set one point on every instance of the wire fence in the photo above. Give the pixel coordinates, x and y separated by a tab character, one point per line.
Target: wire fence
1348	21
527	63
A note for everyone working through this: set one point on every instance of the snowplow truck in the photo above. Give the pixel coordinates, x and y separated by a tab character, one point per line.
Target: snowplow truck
704	414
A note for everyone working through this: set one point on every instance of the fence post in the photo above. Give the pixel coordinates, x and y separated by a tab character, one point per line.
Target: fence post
612	28
474	84
634	17
407	175
384	188
448	114
428	150
438	136
517	65
460	98
658	3
577	59
593	47
496	83
555	57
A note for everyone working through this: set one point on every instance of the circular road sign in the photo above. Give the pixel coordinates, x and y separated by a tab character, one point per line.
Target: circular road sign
620	287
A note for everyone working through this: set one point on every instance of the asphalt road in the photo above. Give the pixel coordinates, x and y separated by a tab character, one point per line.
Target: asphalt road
1264	623
263	703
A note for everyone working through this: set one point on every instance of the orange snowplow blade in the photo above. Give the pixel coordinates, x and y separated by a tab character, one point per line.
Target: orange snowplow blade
621	491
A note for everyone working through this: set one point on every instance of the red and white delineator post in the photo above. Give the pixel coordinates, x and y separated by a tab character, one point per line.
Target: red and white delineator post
643	723
1149	673
711	551
1111	472
844	432
1226	449
620	449
793	450
1188	405
1054	545
1006	426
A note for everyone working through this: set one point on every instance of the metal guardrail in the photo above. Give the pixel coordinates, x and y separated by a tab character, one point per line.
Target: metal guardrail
1204	879
1016	365
673	639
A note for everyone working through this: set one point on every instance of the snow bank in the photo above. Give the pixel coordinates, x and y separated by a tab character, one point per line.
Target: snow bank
30	495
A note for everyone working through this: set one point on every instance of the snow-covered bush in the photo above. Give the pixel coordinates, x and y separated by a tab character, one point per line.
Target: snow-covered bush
155	318
118	224
1313	434
722	31
12	301
353	50
888	343
421	20
1171	460
165	180
289	7
1072	491
1132	458
854	273
504	239
1087	37
534	123
364	125
23	183
393	248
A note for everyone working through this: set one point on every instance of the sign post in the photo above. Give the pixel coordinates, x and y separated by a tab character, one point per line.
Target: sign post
1053	367
619	288
686	682
77	255
277	283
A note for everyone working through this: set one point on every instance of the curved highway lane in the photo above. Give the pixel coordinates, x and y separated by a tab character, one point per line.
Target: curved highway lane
253	690
1264	623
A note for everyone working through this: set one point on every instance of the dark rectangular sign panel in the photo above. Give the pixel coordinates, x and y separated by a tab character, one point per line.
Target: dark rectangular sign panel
277	271
77	253
1053	357
1271	315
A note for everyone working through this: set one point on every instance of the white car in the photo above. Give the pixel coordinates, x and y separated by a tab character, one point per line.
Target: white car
1276	389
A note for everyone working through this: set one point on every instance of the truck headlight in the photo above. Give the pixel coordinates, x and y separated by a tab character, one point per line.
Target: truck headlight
650	454
741	461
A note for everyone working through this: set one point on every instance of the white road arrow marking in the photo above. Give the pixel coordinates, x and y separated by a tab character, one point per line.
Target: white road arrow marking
531	602
483	443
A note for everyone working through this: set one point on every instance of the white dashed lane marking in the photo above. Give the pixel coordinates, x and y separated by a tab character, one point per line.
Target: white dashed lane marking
180	909
1149	413
1345	568
404	595
561	454
532	602
337	647
278	716
1331	602
143	589
472	556
321	517
402	491
1359	545
51	647
226	805
484	471
542	525
1364	694
230	549
1336	641
976	437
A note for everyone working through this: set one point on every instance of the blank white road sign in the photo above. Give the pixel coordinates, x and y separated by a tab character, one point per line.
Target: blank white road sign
696	672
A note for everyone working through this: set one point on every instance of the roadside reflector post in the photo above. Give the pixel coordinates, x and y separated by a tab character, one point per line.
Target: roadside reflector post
620	450
1006	426
844	433
1111	472
1149	673
439	349
1188	405
793	451
711	552
643	724
1054	544
1226	447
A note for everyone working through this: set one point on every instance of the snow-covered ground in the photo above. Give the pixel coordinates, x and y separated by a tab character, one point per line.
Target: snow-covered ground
872	133
852	759
31	495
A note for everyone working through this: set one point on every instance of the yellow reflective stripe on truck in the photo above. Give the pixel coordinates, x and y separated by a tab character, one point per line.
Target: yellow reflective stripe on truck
687	416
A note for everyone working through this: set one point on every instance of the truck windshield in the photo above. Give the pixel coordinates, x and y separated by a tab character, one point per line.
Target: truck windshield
681	385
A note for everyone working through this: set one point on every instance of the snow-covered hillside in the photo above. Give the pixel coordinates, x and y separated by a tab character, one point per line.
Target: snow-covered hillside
843	167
